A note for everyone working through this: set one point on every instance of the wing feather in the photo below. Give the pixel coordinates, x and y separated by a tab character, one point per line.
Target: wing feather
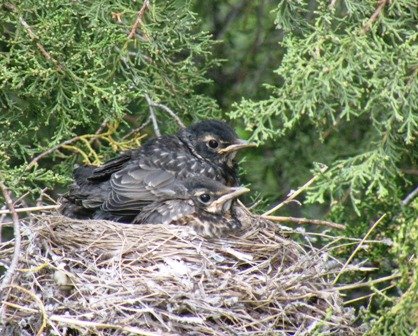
164	212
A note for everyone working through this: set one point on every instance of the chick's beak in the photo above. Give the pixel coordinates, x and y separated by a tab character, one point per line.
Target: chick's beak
239	144
233	193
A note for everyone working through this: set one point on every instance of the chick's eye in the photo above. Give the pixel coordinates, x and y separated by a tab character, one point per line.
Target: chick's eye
213	143
205	198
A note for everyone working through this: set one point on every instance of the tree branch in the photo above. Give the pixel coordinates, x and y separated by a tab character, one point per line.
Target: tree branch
357	248
171	113
35	38
138	20
16	252
30	209
294	194
380	5
304	221
410	196
153	116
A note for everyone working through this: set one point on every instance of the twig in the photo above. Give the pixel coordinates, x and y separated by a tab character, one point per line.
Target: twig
49	151
369	283
294	194
304	221
171	113
66	144
35	38
138	129
350	302
357	248
81	323
152	115
410	196
40	305
380	5
101	128
138	20
17	240
31	209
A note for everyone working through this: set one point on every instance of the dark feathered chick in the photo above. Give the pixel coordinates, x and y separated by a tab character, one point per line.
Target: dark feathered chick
201	202
138	177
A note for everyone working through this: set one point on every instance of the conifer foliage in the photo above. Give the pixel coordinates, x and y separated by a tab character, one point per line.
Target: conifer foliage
66	68
348	78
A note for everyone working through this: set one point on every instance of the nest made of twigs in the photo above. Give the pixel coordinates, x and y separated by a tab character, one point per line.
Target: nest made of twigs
104	278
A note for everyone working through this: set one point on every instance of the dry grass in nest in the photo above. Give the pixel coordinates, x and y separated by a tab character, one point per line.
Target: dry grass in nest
104	278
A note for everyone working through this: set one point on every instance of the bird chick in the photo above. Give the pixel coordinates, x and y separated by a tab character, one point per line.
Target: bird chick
205	204
132	180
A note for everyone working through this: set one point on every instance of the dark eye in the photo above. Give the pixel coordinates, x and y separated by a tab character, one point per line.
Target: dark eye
213	143
205	198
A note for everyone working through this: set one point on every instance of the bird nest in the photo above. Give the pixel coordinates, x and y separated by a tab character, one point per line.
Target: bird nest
103	278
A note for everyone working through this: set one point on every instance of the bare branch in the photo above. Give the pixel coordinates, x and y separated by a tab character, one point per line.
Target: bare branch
138	20
152	115
17	242
171	113
369	283
298	220
380	5
51	150
357	248
296	193
30	209
410	196
35	38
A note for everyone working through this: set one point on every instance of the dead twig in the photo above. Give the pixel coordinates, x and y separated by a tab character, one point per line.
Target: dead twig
86	139
139	17
298	220
137	129
369	283
153	116
296	193
35	38
90	324
171	113
380	5
410	196
30	209
357	248
17	242
40	305
51	150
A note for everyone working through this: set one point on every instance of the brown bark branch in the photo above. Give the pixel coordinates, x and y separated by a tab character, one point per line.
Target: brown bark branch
30	209
294	194
379	9
298	220
139	17
35	38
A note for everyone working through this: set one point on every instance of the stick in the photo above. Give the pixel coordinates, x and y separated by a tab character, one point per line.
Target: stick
16	252
304	221
138	20
171	113
152	115
35	38
295	193
369	283
410	196
357	248
380	5
31	209
81	323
